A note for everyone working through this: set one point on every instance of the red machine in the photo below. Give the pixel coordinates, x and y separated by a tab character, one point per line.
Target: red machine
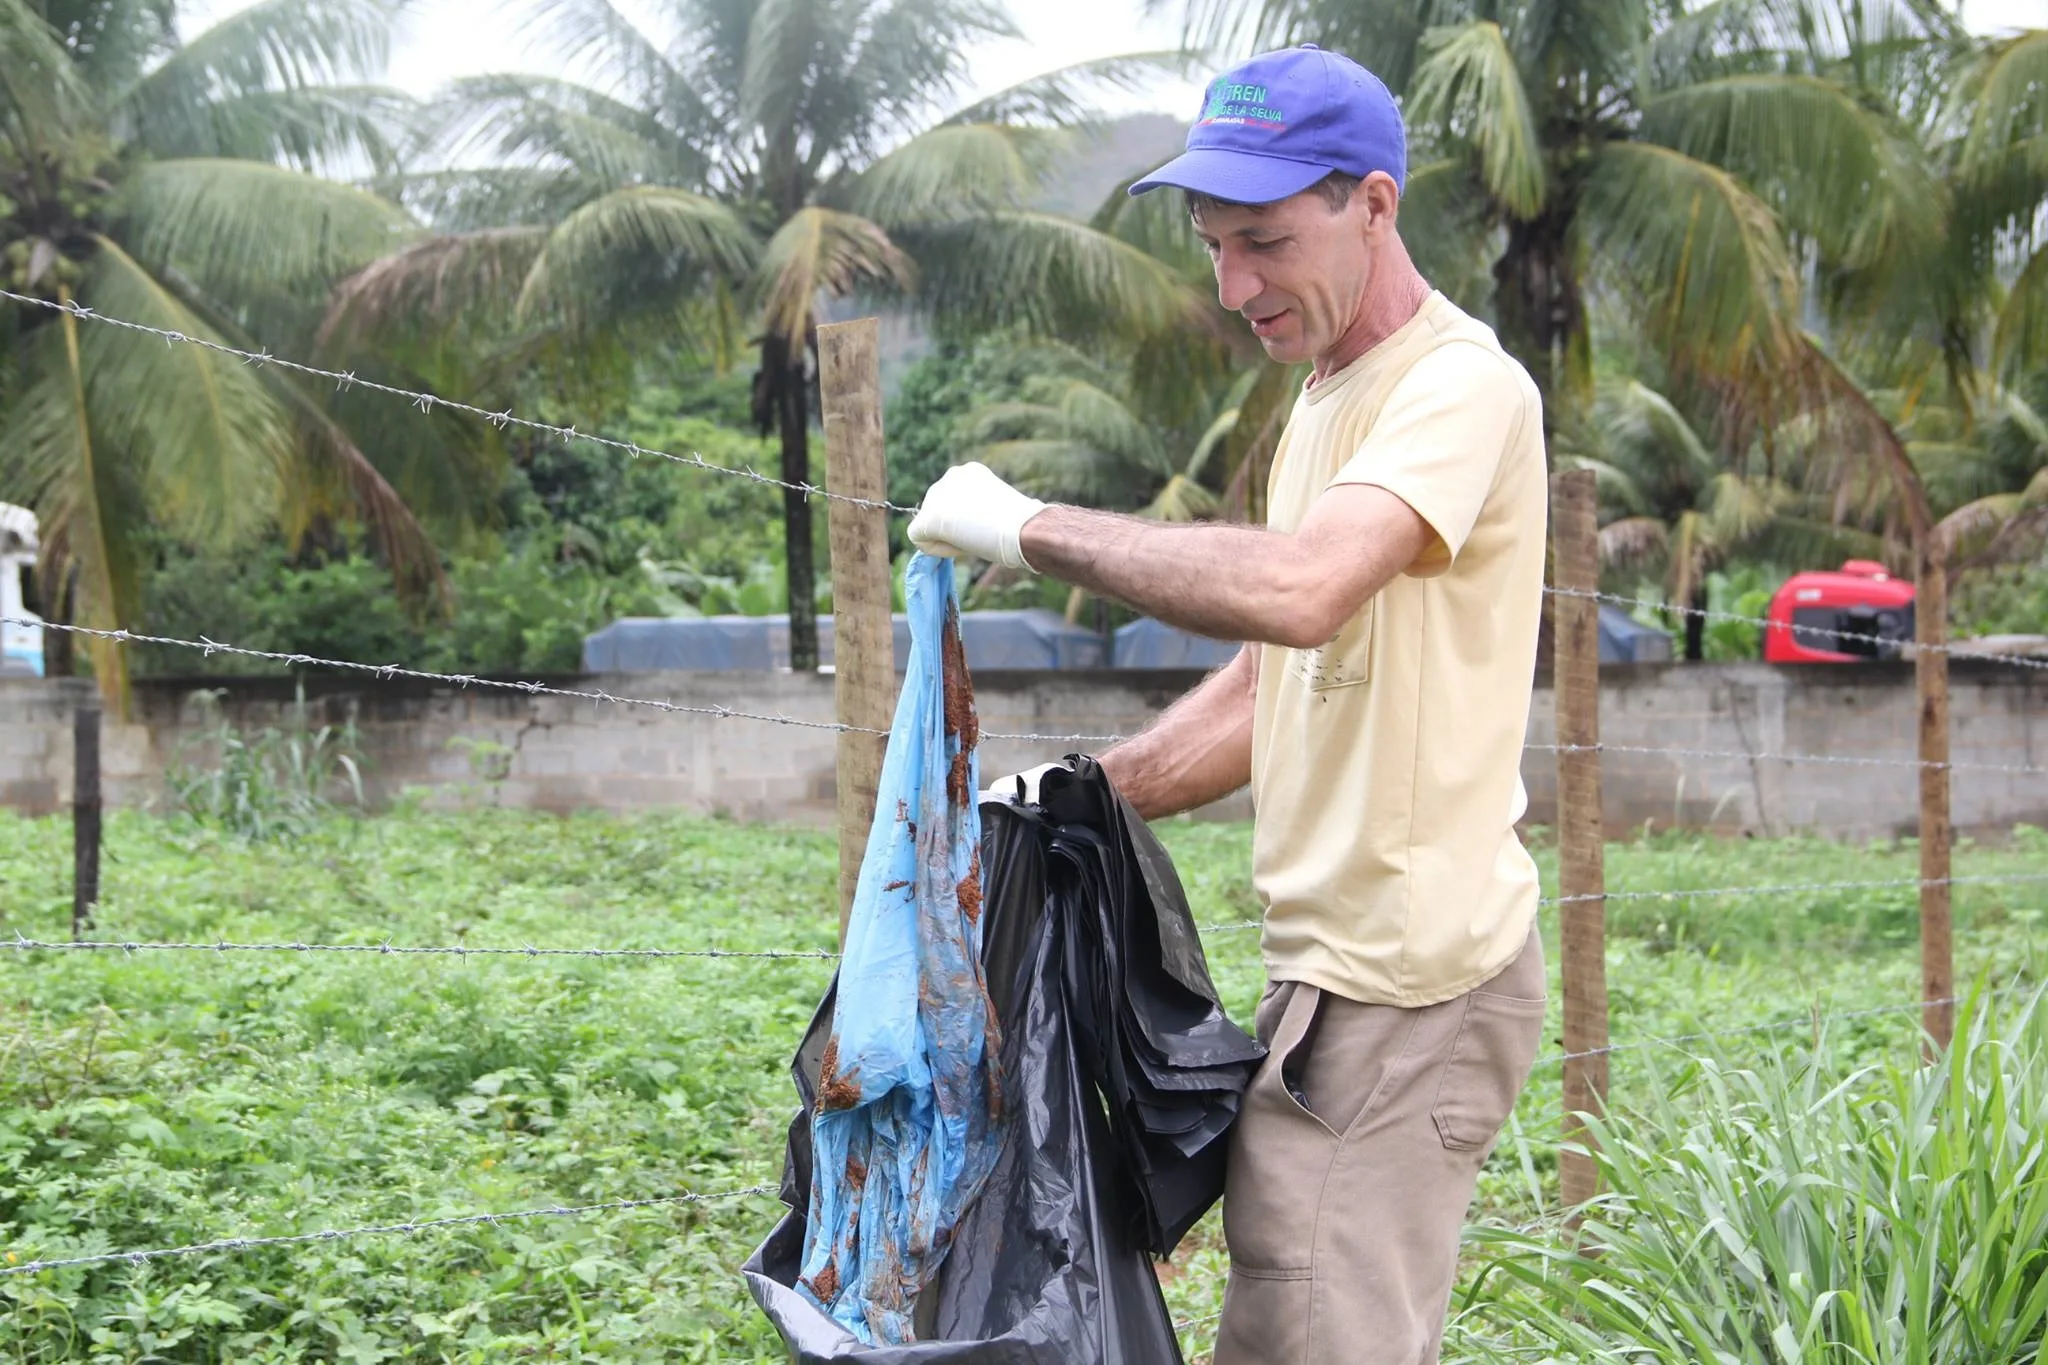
1859	612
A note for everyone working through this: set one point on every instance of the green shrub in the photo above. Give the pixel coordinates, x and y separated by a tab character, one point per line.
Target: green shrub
1800	1211
270	784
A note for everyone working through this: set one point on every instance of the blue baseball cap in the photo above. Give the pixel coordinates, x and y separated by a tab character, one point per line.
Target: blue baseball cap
1283	120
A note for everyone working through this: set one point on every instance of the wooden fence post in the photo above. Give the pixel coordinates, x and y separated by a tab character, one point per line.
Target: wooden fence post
1930	675
85	814
1582	875
863	637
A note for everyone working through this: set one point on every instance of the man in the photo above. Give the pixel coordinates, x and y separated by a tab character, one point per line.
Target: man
1378	712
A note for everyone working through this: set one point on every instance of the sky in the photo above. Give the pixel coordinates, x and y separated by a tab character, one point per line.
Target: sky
450	38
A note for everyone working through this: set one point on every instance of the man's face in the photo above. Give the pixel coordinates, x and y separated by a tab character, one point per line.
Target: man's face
1296	269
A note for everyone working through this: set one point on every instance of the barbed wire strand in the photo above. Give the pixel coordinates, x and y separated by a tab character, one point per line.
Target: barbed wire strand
1776	1025
390	671
209	647
1737	618
21	943
379	1229
1767	756
1703	892
427	402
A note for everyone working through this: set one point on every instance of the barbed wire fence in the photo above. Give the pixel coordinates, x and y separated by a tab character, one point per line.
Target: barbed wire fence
1577	750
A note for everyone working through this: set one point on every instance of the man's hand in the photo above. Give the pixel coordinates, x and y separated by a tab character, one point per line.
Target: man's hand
970	511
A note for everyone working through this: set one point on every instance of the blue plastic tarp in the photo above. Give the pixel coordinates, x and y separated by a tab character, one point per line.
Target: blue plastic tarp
1147	643
1026	639
1625	640
905	1128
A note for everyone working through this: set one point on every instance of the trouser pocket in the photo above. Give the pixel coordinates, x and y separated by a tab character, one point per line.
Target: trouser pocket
1492	1055
1280	1158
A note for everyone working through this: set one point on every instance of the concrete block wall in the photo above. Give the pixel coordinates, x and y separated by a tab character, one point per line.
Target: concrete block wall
480	745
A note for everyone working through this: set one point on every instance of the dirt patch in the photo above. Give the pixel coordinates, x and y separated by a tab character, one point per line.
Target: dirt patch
895	886
834	1090
825	1284
856	1171
961	721
970	890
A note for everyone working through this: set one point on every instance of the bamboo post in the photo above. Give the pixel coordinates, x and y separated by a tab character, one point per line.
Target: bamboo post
864	646
1930	675
85	814
1582	876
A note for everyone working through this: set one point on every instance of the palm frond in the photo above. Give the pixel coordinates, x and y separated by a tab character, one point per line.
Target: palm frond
557	124
784	40
821	251
41	91
1599	41
1219	431
335	462
636	252
1851	446
1180	498
1835	170
1469	87
471	279
1065	97
2020	334
85	497
2008	108
1656	421
1716	39
1071	472
1380	35
1445	225
245	230
599	36
211	441
906	62
1633	541
1091	413
474	199
307	127
1048	275
1156	224
271	45
953	169
1705	256
1737	507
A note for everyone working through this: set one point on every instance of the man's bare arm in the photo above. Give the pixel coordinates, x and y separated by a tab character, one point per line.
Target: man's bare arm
1198	751
1238	582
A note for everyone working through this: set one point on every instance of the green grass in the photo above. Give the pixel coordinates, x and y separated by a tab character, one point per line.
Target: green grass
161	1099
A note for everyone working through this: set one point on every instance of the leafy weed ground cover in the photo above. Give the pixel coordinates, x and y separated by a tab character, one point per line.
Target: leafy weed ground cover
162	1099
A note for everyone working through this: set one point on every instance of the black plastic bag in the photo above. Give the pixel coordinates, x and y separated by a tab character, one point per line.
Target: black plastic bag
1120	1075
1168	1061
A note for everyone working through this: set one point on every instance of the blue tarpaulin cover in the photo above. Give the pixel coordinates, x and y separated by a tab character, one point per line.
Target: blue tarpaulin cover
905	1127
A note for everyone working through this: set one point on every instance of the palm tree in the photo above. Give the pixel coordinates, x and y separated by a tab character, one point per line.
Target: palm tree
173	184
1686	162
1920	337
1674	506
718	181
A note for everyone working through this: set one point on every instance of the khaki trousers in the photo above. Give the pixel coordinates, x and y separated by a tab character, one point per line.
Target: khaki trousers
1353	1163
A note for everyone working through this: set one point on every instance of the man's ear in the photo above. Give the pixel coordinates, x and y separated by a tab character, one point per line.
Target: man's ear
1381	199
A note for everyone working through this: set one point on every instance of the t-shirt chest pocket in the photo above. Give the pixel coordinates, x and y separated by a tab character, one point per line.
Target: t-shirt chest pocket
1346	661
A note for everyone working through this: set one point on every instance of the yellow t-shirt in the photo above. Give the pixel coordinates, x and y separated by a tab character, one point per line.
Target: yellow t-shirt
1386	765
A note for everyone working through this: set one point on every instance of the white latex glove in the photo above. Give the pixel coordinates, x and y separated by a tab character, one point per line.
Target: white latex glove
1022	787
972	512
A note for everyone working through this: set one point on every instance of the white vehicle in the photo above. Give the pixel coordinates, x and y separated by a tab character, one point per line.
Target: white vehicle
21	646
